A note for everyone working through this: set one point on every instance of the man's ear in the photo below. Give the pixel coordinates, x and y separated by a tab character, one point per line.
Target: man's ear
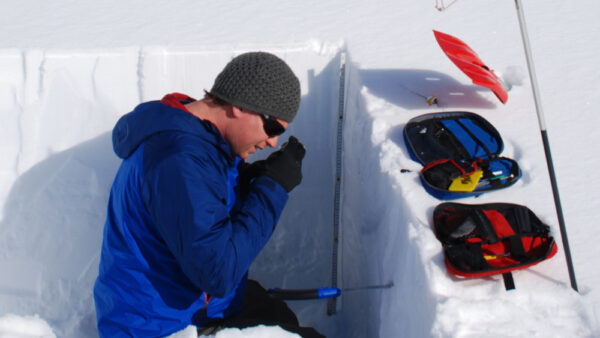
236	112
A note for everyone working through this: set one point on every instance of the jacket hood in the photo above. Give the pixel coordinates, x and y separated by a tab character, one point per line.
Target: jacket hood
153	117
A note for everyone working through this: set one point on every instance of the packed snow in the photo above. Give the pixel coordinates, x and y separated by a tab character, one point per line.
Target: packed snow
68	71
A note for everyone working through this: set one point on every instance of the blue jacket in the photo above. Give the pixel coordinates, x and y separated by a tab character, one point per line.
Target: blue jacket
177	243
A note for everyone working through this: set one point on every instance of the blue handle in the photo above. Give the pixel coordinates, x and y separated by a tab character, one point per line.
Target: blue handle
329	292
319	293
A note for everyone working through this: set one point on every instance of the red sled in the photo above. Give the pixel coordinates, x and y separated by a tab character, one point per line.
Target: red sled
489	239
467	60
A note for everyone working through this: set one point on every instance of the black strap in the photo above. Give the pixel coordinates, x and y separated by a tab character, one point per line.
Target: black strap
509	282
475	138
485	226
516	248
447	143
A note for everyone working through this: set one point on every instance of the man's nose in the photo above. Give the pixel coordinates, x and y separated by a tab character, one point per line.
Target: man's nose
272	141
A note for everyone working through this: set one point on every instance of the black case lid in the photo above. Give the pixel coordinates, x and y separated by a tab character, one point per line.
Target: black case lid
457	135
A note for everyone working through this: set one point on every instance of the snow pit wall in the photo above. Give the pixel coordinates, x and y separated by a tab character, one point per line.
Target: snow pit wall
57	109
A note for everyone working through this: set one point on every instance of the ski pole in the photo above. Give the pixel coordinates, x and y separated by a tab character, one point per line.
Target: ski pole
319	293
542	123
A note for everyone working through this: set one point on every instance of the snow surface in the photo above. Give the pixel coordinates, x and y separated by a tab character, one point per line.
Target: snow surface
68	70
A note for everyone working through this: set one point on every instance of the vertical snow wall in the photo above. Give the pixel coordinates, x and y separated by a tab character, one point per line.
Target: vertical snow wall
57	109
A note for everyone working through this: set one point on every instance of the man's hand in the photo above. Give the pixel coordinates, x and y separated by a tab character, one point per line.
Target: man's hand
284	166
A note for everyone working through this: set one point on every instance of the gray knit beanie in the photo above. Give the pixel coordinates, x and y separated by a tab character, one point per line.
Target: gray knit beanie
260	82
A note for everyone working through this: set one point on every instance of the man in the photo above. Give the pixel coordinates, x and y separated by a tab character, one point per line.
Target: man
183	226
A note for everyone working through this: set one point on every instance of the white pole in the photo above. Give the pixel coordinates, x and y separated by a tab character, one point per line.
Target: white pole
542	122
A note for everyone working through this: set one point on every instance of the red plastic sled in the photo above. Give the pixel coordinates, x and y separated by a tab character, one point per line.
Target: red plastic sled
467	60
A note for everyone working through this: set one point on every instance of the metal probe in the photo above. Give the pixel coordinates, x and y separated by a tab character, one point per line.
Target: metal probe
320	293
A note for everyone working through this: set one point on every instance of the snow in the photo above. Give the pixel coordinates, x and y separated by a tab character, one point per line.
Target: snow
12	326
260	331
69	70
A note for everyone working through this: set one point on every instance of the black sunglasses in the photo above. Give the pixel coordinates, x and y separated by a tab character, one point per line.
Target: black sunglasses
271	125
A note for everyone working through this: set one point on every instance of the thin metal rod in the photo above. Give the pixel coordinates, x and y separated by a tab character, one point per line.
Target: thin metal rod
369	287
542	123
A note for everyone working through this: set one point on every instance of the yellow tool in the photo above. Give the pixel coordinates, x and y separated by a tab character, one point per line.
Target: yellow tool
467	183
490	257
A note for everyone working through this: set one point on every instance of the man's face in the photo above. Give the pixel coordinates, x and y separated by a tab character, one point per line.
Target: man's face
248	134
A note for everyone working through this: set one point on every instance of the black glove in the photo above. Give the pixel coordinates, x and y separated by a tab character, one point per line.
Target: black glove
284	166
